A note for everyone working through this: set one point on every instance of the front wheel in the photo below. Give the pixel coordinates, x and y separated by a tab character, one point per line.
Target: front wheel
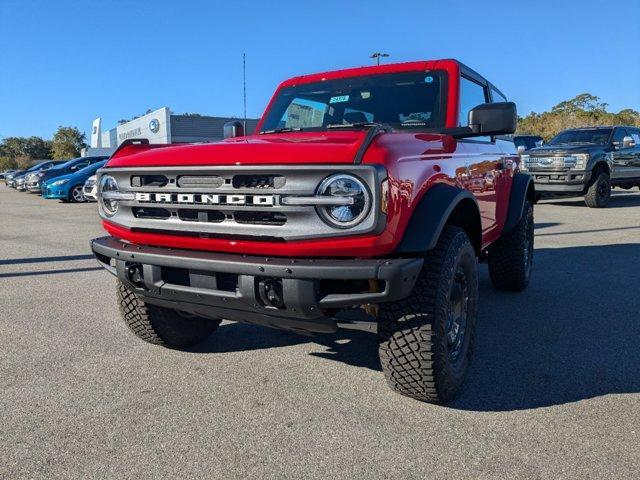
426	339
77	195
162	326
599	191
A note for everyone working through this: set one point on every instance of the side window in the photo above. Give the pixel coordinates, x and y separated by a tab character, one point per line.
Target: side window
635	134
472	94
497	96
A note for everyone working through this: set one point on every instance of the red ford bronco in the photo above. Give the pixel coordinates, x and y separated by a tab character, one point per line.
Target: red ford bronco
378	188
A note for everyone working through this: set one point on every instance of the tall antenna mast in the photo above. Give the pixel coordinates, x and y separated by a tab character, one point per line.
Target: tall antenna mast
244	89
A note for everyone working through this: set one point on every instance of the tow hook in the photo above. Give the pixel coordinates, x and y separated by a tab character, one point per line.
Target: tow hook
270	291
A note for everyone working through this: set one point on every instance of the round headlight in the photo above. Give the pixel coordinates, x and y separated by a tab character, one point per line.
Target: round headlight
108	184
356	200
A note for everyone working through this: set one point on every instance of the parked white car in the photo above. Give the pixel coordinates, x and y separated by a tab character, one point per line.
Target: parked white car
90	189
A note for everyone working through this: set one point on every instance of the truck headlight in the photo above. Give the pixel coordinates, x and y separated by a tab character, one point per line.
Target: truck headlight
356	200
59	182
579	161
523	162
108	194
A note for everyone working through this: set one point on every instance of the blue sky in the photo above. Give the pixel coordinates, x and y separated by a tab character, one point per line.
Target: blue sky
67	62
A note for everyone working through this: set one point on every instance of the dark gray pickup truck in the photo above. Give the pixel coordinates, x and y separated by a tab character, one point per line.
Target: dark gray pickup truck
586	161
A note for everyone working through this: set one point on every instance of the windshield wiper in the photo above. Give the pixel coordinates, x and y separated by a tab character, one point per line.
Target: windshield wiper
282	130
353	125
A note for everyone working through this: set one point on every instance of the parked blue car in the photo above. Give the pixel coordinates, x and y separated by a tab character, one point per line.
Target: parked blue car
34	182
68	188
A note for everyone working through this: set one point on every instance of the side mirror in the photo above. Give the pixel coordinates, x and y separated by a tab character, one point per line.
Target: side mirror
493	118
521	150
233	129
628	142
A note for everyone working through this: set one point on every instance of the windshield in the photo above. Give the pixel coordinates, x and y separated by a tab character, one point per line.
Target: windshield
401	100
599	136
39	166
91	169
64	165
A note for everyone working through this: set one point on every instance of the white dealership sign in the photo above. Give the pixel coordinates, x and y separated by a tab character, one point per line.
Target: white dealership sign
96	134
154	126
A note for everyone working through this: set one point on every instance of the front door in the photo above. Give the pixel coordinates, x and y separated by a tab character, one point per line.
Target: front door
623	158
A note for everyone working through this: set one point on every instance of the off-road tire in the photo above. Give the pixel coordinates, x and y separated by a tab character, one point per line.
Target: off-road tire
162	326
414	350
599	190
510	258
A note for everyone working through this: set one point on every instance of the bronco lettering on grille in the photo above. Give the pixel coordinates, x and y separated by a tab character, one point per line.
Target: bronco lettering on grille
206	199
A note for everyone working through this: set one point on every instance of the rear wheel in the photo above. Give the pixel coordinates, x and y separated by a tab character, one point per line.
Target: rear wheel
162	326
77	195
426	339
599	190
511	257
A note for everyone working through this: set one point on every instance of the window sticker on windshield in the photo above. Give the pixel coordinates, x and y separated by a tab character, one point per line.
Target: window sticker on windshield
428	79
339	99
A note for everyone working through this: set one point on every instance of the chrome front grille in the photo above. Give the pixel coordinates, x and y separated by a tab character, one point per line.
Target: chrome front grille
236	201
550	162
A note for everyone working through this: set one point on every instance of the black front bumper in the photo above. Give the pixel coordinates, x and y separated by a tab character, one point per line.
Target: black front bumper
555	181
232	287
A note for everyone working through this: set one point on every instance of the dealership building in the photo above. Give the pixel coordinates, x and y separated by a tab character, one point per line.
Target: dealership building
161	126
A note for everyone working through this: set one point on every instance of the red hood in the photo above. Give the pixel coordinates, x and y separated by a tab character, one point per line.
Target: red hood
283	148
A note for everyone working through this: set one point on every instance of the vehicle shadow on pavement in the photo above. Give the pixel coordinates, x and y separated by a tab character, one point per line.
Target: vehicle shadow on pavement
619	200
541	225
572	335
47	260
353	347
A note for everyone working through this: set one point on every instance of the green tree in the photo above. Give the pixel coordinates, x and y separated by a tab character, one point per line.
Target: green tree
584	110
67	143
7	163
34	148
38	149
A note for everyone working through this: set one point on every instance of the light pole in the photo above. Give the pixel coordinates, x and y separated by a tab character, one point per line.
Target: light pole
377	56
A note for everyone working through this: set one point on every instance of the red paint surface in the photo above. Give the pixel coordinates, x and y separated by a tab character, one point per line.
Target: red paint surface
414	163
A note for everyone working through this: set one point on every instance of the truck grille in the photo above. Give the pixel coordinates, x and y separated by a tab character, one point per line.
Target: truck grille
241	202
550	163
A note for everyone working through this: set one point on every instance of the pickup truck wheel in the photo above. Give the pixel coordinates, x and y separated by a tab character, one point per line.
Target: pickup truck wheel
162	326
426	339
511	257
599	191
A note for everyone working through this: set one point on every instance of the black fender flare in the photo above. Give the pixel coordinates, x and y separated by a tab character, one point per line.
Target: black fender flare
522	187
432	214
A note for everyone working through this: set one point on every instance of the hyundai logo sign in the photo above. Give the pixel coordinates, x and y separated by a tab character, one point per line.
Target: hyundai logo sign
154	125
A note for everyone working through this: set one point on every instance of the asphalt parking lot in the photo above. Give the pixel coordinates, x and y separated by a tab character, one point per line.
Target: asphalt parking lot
554	390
